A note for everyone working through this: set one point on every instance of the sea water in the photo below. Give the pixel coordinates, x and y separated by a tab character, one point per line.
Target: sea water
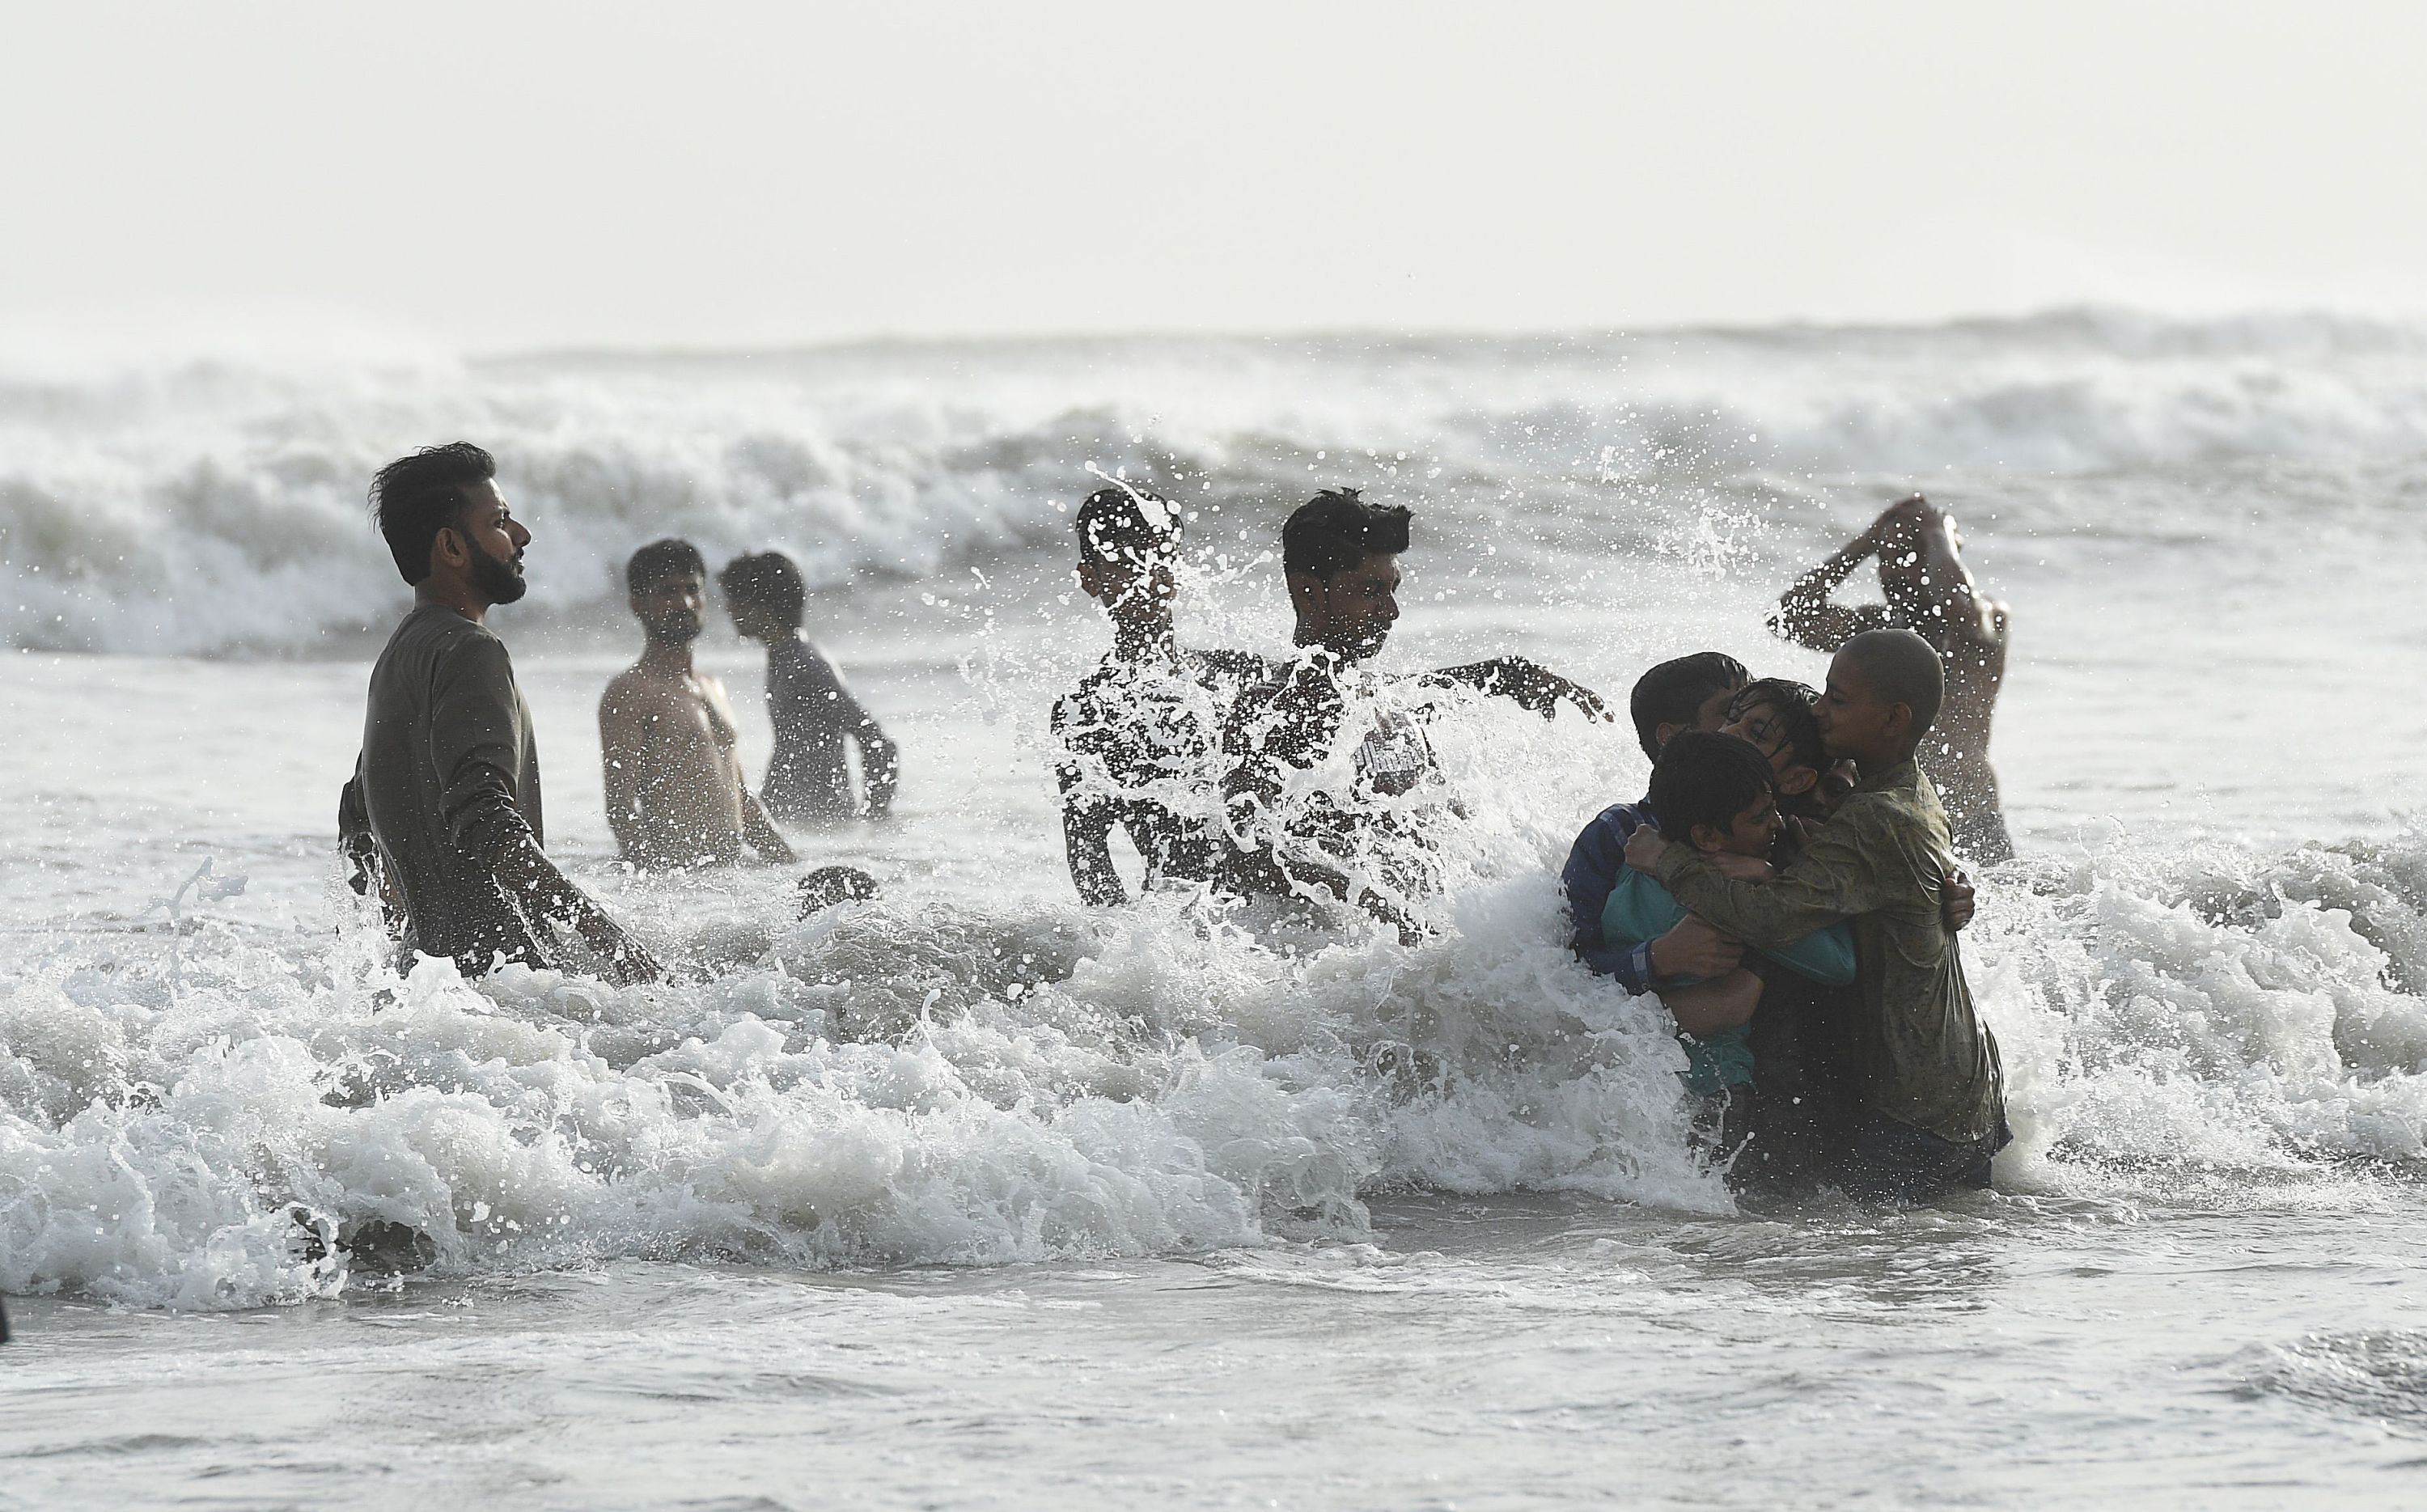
970	1196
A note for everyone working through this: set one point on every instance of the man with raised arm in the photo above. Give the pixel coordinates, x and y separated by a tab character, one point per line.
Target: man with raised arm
443	814
1929	1093
676	796
815	714
1929	592
1138	741
1359	840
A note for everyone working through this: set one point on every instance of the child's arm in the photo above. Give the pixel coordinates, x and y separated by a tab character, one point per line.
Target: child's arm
1833	881
1709	1007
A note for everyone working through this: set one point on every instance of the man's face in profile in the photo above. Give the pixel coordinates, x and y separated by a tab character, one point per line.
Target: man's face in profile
495	540
669	608
1854	721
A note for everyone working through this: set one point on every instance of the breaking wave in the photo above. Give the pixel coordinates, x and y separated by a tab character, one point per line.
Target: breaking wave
133	496
928	1084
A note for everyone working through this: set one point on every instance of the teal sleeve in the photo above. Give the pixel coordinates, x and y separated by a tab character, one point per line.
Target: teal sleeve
1825	955
1639	909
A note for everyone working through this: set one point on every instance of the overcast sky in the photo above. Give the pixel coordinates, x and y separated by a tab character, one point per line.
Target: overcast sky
506	175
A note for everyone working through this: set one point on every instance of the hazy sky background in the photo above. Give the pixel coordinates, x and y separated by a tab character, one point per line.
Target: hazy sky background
505	175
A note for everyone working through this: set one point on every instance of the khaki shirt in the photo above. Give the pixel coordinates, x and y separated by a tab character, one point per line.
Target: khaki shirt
1920	1054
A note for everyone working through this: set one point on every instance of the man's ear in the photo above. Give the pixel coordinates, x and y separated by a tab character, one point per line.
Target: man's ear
1796	781
1706	837
450	547
1662	733
1898	725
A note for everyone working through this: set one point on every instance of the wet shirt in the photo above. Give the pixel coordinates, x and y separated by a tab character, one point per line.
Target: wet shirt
1916	1049
1356	838
1639	911
1594	863
448	780
1137	746
808	777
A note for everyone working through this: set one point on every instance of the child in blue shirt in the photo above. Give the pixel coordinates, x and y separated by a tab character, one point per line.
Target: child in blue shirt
1718	794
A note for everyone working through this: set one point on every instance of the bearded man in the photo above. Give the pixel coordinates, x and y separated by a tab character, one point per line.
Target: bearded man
442	817
676	796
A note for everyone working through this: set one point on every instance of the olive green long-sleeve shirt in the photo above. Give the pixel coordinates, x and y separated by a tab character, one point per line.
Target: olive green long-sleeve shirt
447	780
1921	1054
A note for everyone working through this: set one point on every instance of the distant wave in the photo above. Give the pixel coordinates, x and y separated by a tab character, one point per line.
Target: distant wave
215	506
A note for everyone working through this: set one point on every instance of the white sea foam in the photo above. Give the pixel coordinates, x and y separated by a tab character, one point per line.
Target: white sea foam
913	1083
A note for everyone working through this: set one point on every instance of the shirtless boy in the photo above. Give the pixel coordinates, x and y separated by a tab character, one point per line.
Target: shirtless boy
674	792
1930	592
1364	845
1138	740
813	710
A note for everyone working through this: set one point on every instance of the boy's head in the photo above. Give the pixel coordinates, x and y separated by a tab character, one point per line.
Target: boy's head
1775	714
764	593
666	580
1885	688
1129	541
1341	556
1715	792
1689	693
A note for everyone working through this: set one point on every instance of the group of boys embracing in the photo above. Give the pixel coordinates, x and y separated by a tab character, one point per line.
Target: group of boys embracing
1788	887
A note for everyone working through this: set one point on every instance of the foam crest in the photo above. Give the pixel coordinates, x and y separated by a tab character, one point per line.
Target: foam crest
133	493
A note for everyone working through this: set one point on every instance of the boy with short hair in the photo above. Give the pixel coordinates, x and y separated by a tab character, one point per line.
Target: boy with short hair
1931	1101
812	710
1687	693
1775	714
1364	842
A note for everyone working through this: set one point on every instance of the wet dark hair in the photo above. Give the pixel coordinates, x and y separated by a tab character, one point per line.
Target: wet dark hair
768	581
414	497
1118	522
1673	692
1793	703
661	560
1707	778
1336	531
1901	668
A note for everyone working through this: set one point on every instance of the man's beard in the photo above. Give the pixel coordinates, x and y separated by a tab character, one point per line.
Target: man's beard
495	578
675	629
